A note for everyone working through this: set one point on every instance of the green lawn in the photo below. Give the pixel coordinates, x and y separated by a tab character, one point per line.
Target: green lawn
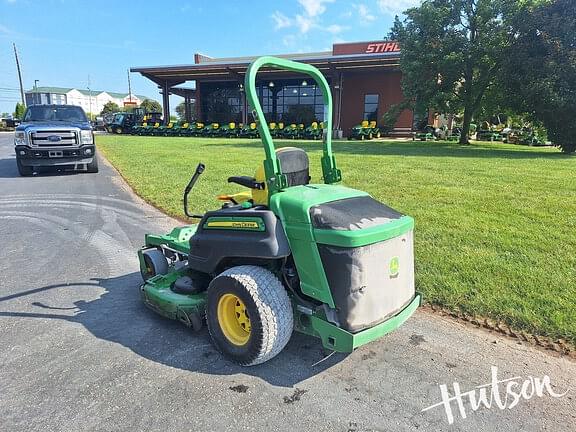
495	223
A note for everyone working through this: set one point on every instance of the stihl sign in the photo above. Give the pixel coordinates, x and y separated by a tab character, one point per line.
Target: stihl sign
376	47
382	47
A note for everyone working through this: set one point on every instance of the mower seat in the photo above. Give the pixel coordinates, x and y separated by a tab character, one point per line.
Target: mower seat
294	164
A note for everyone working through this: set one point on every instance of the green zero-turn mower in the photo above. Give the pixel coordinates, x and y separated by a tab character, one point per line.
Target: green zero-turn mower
322	259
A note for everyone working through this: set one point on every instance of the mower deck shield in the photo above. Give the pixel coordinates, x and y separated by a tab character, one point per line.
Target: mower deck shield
338	339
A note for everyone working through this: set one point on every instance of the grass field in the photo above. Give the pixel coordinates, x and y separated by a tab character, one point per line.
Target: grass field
495	223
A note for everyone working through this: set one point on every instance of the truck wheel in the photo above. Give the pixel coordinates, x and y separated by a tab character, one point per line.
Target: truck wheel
23	170
93	166
249	314
155	262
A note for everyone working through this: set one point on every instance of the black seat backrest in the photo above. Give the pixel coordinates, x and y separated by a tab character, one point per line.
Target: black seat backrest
295	165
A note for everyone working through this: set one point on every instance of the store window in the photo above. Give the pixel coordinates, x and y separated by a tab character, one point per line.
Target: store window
371	107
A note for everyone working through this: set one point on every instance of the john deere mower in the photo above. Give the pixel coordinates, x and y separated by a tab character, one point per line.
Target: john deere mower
285	254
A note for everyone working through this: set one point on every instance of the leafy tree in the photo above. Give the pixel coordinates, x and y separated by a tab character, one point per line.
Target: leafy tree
451	51
110	107
150	106
19	110
181	110
539	70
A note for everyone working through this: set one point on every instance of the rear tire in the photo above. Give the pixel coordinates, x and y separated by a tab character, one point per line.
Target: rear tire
93	166
249	314
24	171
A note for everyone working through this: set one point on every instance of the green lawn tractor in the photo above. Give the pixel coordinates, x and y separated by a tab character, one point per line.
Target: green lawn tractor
314	131
291	131
179	129
212	130
165	130
230	130
249	131
362	132
285	255
149	129
428	133
276	129
488	135
197	129
376	132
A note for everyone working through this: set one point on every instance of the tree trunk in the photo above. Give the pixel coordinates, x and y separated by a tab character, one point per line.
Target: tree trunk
466	126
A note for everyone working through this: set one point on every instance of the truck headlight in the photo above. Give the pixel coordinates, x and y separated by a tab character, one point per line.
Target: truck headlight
86	137
20	138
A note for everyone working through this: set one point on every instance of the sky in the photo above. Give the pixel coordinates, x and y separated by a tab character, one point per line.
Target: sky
70	43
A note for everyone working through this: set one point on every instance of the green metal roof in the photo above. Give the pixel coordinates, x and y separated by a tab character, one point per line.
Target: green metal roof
53	90
64	90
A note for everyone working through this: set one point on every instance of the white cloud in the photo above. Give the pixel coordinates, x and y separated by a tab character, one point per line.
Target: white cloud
335	29
396	7
4	29
281	20
289	41
305	23
364	13
308	18
314	7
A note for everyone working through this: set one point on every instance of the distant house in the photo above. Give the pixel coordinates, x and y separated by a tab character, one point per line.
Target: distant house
90	100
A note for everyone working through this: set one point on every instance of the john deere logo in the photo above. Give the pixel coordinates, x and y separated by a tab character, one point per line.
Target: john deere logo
394	267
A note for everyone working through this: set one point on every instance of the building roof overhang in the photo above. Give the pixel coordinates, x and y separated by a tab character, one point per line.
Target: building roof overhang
235	69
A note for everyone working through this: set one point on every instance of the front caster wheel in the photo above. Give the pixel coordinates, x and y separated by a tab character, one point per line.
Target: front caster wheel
249	314
155	263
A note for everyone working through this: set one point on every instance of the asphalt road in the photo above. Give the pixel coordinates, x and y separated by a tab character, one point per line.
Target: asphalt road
78	351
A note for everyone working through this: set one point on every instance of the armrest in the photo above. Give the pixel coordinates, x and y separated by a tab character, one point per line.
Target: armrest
249	182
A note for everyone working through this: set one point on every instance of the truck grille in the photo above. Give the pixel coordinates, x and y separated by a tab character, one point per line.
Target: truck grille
54	138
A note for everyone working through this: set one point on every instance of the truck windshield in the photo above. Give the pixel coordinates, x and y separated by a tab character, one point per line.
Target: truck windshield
51	113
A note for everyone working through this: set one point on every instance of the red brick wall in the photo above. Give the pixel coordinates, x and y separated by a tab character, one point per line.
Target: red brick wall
358	84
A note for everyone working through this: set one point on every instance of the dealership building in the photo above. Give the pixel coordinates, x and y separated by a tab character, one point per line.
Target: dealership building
364	78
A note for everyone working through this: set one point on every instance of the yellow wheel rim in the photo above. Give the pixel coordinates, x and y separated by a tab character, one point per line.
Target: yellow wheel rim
233	319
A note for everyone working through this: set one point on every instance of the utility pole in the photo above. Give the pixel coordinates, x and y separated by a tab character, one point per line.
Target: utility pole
89	97
129	87
19	76
37	100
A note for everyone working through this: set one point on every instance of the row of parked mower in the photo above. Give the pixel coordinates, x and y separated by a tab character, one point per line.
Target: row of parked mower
524	136
365	130
230	130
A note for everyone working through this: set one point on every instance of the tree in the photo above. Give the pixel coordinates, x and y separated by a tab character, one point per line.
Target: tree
110	107
451	51
539	70
151	106
19	110
181	110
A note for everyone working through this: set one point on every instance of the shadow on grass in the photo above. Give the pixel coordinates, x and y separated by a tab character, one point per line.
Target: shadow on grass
408	148
120	316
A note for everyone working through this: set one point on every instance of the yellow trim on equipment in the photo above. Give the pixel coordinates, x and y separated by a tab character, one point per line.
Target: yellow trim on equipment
232	224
